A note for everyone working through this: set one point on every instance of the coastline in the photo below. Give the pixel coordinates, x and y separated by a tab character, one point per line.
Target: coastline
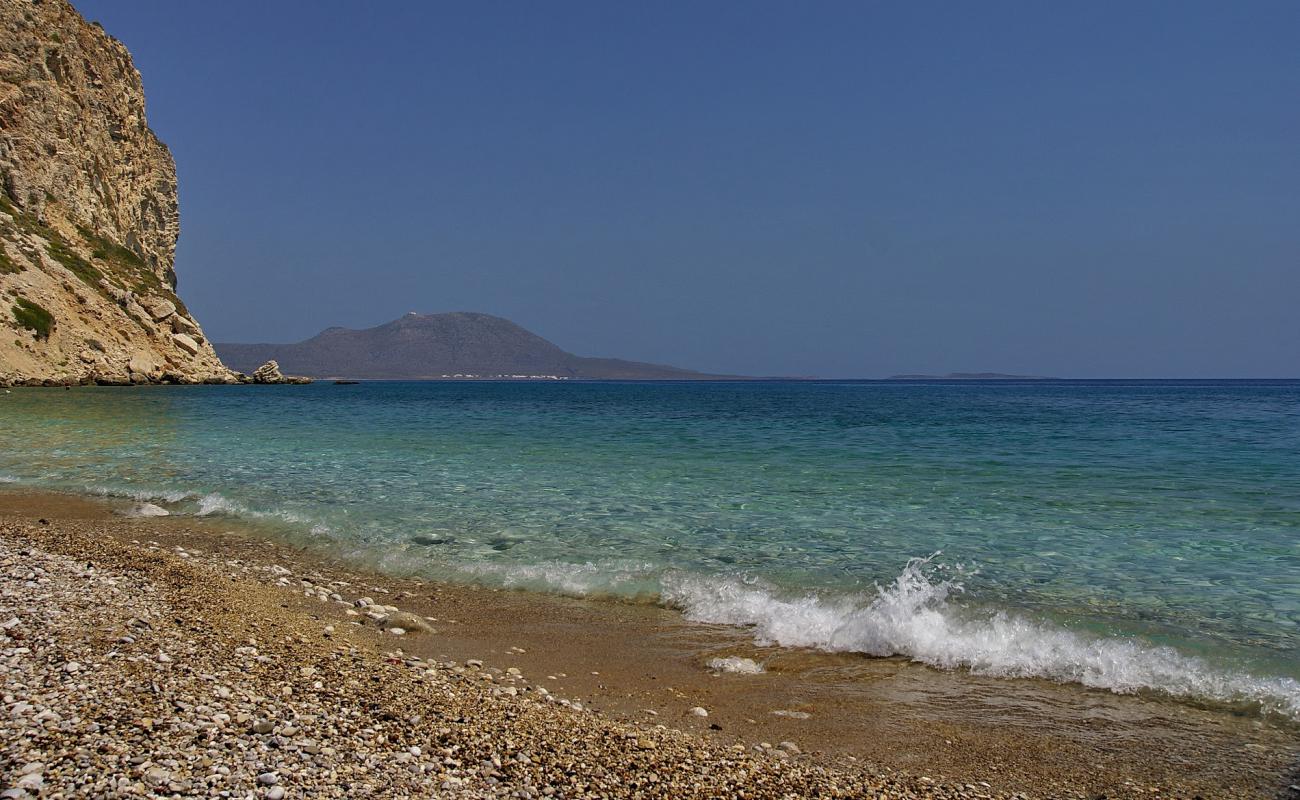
872	725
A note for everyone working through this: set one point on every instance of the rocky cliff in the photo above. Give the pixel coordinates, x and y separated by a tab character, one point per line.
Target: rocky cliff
88	214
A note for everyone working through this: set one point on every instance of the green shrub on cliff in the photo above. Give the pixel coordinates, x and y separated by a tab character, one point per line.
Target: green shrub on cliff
56	245
7	265
33	317
124	266
60	252
121	265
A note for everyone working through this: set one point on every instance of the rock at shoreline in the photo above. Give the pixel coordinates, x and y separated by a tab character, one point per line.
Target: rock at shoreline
270	373
406	622
736	665
146	510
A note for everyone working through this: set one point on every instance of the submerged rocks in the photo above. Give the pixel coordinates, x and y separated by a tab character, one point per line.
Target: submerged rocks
146	510
736	665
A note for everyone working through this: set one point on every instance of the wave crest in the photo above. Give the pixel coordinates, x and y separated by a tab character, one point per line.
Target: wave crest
912	617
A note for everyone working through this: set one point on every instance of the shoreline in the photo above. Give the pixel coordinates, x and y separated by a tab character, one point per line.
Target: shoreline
873	717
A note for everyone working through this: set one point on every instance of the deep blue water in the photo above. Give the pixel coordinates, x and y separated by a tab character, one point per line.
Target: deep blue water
1128	535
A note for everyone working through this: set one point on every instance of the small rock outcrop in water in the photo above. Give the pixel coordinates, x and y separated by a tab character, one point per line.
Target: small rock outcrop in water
88	214
270	373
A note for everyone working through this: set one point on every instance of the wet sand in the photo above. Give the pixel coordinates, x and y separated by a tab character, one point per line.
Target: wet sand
874	716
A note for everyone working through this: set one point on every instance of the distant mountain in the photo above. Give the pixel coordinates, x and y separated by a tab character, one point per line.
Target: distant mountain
422	346
969	376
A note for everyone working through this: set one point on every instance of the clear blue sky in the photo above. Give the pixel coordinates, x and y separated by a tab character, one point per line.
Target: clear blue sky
833	189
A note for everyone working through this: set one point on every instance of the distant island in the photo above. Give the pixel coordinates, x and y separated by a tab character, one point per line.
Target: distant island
965	376
457	345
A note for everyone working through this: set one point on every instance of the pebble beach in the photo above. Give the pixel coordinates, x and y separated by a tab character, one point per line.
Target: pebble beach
137	668
137	672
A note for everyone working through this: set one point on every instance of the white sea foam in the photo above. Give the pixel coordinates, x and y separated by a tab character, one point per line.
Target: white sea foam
214	503
913	617
7	478
142	495
737	665
632	579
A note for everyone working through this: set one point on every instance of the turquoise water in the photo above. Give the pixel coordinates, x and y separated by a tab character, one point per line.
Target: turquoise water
1129	536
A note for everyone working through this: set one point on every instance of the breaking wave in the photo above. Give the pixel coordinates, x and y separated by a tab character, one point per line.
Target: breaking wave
914	618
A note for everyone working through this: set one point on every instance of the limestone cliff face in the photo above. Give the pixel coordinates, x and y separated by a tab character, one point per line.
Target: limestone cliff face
88	213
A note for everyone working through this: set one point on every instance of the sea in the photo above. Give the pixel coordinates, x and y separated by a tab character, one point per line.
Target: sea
1131	536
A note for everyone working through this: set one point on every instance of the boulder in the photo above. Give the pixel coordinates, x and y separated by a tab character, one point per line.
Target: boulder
141	364
183	324
159	308
184	342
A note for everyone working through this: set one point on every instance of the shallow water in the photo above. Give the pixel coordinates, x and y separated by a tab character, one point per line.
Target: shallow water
1130	536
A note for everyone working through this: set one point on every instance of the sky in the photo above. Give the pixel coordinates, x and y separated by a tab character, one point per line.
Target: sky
1102	189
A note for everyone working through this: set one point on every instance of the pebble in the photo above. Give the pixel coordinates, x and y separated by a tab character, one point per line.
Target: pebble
698	711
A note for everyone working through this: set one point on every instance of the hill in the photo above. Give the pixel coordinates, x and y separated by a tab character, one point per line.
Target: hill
427	346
